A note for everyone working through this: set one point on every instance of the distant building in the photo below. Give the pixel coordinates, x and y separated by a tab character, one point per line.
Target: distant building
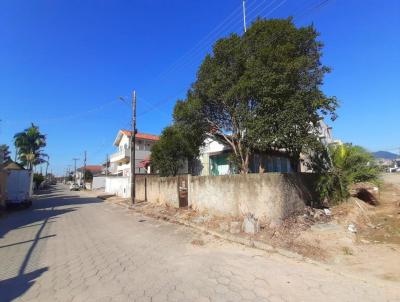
120	161
96	170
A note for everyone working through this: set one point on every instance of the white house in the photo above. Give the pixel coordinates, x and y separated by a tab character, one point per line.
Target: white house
120	160
215	153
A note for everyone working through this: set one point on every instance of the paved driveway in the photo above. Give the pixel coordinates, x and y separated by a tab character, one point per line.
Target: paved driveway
72	248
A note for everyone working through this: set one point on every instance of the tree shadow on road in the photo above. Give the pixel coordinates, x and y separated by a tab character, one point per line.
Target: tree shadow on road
45	210
13	288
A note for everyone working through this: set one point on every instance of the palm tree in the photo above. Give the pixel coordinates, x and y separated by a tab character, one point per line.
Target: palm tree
29	145
347	164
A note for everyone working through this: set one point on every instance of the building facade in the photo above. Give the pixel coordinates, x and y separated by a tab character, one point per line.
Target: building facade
215	156
120	160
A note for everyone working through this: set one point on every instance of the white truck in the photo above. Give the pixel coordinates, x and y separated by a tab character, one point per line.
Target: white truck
19	187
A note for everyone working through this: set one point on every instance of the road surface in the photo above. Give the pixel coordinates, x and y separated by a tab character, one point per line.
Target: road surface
68	247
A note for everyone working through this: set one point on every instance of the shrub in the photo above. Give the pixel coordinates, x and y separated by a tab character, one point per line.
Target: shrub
344	165
38	178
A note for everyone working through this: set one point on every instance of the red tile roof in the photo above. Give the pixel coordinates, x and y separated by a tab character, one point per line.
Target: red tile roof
92	168
150	137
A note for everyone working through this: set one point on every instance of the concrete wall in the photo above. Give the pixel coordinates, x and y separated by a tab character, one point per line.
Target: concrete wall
98	182
268	196
118	185
159	190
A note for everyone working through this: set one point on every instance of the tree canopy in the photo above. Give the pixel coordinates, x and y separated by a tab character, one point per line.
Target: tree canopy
262	91
88	176
170	153
6	152
29	145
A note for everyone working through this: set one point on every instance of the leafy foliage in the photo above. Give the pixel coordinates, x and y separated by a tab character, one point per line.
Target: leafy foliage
344	165
191	127
29	145
261	91
6	152
88	176
38	178
169	154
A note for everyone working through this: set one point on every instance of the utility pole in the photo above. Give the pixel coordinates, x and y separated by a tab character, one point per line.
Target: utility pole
84	171
133	148
75	159
244	16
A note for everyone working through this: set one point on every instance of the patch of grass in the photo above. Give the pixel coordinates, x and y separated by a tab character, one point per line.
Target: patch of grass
347	251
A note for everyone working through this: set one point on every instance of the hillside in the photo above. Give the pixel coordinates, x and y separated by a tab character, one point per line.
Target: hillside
385	155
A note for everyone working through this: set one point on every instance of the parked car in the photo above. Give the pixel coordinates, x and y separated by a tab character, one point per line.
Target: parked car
74	187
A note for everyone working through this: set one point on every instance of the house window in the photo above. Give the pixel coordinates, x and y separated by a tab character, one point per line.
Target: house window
277	164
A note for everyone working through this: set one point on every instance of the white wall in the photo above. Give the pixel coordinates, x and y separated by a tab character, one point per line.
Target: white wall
99	182
210	146
118	185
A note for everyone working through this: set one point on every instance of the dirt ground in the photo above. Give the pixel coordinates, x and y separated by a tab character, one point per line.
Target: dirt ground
372	246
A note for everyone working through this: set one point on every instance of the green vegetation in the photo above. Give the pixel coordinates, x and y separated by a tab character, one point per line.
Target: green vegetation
260	92
88	176
342	166
38	178
170	152
29	145
6	152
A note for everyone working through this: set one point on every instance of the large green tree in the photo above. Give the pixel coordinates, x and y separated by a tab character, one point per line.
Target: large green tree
170	153
29	145
262	91
191	126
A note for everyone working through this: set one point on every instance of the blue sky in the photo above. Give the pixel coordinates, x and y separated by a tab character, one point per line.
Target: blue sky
63	65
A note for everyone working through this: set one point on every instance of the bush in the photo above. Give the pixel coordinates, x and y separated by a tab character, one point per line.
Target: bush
38	178
344	165
88	176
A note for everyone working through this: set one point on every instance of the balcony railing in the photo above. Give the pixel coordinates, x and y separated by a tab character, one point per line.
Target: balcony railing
120	156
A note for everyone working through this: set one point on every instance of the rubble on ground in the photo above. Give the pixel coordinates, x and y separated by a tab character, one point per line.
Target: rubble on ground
365	191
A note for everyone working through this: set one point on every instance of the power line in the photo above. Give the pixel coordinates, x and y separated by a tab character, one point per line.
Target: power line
159	104
210	38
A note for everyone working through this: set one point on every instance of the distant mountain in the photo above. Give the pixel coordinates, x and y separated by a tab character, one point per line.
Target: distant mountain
385	155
